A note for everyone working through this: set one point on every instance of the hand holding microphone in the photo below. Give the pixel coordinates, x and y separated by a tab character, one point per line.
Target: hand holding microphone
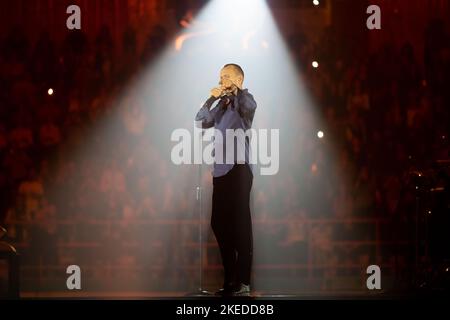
222	91
216	92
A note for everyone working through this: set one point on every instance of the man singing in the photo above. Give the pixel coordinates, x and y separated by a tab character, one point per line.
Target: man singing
232	180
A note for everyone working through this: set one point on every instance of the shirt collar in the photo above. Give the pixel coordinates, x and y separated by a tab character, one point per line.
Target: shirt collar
241	91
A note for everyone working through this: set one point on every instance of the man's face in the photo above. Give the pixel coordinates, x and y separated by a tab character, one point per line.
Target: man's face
230	79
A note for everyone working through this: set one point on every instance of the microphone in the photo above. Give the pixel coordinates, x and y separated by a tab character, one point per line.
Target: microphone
226	98
226	93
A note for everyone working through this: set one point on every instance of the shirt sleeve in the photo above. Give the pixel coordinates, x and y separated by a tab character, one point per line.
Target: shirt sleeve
205	115
246	105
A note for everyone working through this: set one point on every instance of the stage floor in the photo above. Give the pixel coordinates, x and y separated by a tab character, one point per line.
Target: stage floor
255	295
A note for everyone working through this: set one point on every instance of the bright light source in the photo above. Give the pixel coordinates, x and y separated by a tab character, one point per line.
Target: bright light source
50	91
320	134
315	64
316	2
227	21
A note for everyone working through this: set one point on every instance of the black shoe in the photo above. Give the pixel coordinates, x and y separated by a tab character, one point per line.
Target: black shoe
226	290
2	232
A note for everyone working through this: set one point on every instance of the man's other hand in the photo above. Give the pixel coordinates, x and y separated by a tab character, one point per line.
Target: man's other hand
216	92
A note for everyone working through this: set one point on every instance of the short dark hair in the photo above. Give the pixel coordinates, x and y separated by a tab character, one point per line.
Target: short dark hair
236	67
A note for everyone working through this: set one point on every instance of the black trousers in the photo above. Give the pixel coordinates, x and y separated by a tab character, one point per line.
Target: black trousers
232	224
